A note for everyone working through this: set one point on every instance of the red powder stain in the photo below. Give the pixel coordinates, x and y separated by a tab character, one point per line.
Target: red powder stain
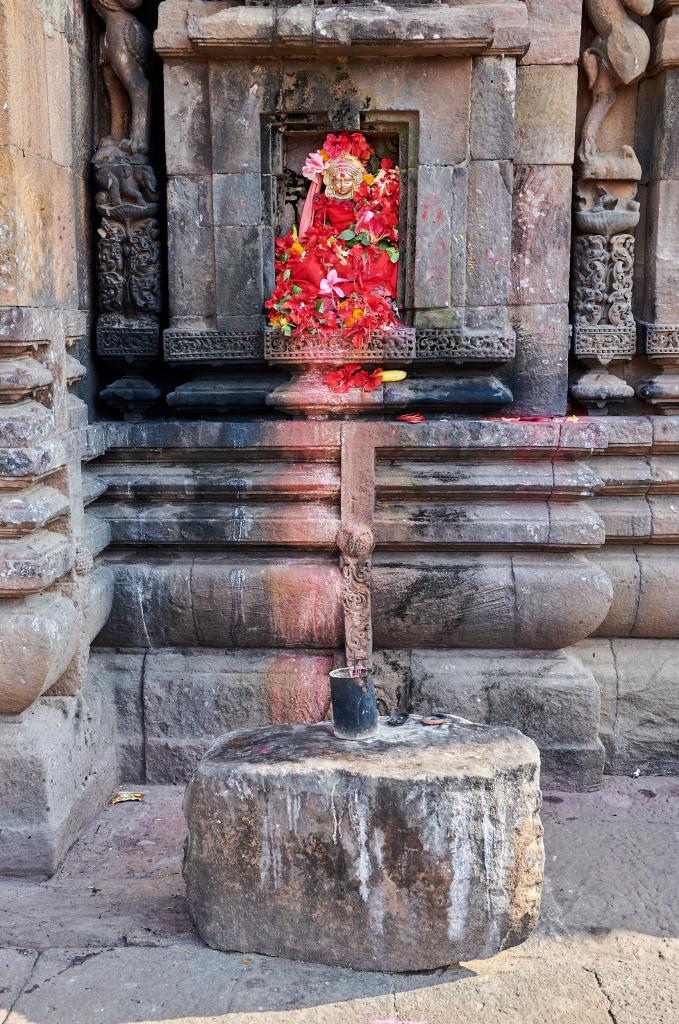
298	688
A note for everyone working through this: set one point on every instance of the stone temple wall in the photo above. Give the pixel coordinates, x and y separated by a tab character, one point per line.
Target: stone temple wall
54	598
523	569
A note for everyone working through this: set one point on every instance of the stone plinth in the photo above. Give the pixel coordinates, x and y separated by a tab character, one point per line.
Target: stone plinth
418	848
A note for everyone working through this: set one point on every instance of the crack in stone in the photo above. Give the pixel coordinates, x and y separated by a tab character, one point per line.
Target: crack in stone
143	717
638	598
609	1004
22	988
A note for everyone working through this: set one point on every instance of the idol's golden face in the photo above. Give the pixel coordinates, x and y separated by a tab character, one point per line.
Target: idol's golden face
342	176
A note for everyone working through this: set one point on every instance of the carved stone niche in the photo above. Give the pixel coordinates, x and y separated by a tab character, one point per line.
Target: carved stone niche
251	89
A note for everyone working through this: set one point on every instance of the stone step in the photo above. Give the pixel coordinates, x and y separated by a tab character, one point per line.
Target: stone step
653	519
230	480
486	524
503	478
298	524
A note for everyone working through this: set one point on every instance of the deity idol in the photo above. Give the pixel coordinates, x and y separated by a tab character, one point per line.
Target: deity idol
339	273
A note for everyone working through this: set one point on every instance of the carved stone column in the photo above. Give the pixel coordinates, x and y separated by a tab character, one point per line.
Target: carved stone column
127	205
356	542
606	214
657	133
604	331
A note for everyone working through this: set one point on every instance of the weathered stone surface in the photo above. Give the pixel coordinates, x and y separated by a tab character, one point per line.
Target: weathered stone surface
640	686
187	118
545	114
192	697
39	638
24	423
554	32
540	367
487	600
662	263
57	765
541	234
222	603
191	269
120	675
552	698
489	220
493	100
645	592
311	825
442	215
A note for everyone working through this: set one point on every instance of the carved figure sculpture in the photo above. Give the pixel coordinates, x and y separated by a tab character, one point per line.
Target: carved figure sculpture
124	57
619	55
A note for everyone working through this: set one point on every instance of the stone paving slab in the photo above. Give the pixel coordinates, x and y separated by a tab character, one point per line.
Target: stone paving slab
107	940
15	969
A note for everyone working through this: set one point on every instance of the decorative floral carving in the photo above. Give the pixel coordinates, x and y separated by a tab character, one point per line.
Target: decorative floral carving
356	542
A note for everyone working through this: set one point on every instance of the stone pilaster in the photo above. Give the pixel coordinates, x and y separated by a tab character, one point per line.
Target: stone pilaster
658	133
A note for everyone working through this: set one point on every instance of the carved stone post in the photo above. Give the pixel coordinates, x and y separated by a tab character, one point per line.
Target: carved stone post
604	330
356	542
606	214
127	205
661	298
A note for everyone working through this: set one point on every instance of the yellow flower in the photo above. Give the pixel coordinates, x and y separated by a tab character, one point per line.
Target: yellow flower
296	247
332	240
357	314
326	156
368	179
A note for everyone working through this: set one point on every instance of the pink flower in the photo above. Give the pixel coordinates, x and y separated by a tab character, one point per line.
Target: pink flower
314	166
330	284
364	220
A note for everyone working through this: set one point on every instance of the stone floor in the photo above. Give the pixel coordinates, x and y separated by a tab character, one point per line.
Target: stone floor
107	940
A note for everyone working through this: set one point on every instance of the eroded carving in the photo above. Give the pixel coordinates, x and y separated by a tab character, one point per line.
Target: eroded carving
124	55
356	542
662	348
618	56
126	200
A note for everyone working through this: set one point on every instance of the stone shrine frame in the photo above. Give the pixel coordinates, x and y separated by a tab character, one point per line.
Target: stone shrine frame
229	99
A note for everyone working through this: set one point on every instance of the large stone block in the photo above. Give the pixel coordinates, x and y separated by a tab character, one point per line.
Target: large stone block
419	848
550	697
57	766
187	118
539	373
441	226
192	697
191	271
217	602
487	600
493	100
39	638
541	235
554	32
489	227
545	114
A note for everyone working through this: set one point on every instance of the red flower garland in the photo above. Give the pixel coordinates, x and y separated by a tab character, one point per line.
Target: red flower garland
343	275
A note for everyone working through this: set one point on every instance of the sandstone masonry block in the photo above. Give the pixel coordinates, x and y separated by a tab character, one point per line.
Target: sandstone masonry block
545	114
493	101
418	848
